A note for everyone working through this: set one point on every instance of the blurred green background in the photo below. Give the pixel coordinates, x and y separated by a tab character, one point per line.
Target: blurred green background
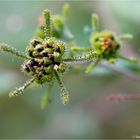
89	114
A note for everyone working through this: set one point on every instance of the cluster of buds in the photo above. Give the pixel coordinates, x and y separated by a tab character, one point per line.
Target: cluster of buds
45	57
42	60
106	44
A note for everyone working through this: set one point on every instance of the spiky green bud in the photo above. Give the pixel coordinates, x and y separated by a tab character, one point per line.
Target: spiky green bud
105	44
46	56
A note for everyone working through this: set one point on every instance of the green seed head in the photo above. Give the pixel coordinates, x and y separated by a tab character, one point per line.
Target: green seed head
46	56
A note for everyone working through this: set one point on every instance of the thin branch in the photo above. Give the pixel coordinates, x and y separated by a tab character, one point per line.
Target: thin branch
95	22
91	56
80	49
20	90
123	97
131	59
126	36
122	72
6	48
92	65
64	93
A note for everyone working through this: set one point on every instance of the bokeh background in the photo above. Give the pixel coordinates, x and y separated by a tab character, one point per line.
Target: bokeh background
89	114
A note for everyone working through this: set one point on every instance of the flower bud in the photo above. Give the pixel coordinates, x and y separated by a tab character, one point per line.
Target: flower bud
45	58
34	42
105	44
62	67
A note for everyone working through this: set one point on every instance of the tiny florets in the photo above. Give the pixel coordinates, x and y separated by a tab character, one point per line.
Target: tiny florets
105	44
45	57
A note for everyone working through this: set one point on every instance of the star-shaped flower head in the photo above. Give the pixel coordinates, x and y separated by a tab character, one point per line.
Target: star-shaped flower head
43	60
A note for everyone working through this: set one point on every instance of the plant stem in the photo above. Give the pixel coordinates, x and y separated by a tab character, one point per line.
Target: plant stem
6	48
91	56
95	22
132	59
125	36
76	49
64	93
92	65
47	26
20	90
121	71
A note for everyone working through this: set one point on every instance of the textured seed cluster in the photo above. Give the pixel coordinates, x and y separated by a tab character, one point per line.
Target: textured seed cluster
106	44
46	56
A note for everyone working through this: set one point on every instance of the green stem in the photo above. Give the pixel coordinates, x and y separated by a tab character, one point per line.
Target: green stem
76	49
125	36
132	59
91	56
95	22
20	90
124	58
64	93
92	65
47	26
6	48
